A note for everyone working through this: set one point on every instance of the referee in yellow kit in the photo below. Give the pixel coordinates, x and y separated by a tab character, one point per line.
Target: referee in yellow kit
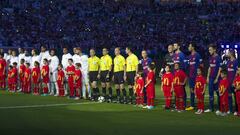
93	69
118	74
130	72
105	73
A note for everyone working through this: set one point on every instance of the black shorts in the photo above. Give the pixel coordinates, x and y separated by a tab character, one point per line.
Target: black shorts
131	77
93	76
104	78
119	77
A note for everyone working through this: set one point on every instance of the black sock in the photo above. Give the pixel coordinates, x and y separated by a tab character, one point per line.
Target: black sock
110	92
104	91
124	93
94	93
97	92
130	92
118	92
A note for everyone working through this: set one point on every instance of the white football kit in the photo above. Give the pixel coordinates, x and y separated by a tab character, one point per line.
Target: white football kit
13	59
65	58
65	64
21	56
53	67
85	79
44	55
33	59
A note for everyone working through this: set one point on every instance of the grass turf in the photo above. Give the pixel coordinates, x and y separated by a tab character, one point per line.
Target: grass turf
102	119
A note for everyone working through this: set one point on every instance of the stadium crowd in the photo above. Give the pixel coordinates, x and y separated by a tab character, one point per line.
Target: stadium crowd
111	23
109	27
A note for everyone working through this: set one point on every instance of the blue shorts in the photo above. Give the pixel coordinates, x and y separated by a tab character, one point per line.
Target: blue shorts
192	83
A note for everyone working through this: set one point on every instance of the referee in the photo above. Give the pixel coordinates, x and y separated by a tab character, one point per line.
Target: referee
93	69
105	74
118	73
131	70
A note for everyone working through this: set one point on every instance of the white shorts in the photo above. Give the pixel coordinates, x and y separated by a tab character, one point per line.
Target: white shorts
85	78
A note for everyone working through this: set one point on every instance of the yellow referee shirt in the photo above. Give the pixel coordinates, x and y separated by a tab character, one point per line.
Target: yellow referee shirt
131	63
106	63
119	63
93	63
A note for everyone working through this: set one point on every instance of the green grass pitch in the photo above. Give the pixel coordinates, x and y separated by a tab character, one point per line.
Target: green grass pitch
62	116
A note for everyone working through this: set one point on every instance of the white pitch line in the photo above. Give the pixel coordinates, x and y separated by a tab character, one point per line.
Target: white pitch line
46	105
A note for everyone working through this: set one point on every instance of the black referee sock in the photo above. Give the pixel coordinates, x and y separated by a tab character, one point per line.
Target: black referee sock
131	93
124	93
97	92
94	93
110	92
104	91
118	94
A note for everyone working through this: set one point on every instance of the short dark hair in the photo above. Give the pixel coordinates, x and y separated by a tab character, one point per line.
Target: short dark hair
15	63
193	45
46	60
214	46
37	63
152	66
28	64
35	50
167	65
78	64
140	72
60	65
129	48
224	71
22	60
71	59
43	46
53	50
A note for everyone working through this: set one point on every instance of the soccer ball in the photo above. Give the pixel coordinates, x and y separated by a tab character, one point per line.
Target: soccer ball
101	99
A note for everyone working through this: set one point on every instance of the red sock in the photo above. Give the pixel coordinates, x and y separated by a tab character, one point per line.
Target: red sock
166	102
137	100
148	101
77	92
169	102
45	90
177	104
152	102
181	104
141	100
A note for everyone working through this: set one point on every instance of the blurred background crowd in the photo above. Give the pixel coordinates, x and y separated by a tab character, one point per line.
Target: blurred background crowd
96	23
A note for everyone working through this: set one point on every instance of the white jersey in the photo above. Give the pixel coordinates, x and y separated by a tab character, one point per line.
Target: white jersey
84	63
84	69
53	63
21	56
8	57
13	59
65	58
53	67
5	56
28	59
33	59
44	55
76	59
